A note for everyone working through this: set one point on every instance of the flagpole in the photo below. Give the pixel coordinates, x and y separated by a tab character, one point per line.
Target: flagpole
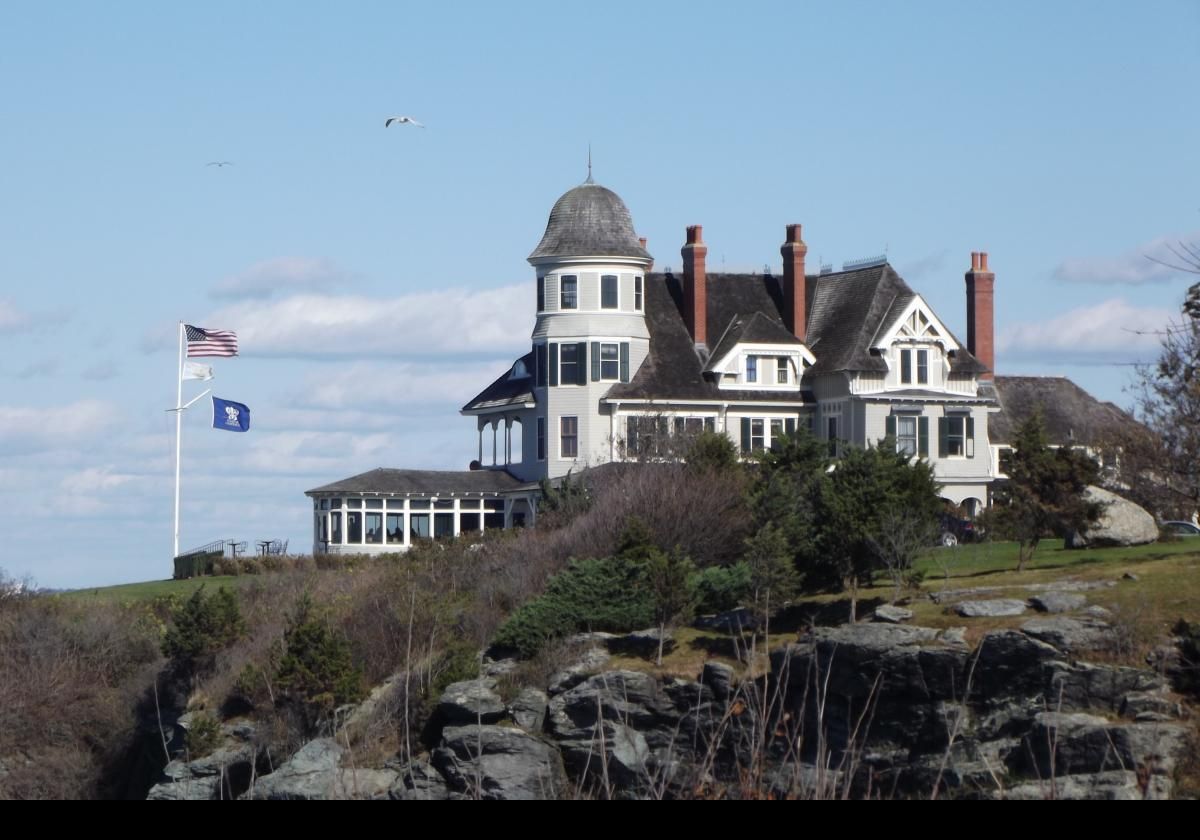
178	435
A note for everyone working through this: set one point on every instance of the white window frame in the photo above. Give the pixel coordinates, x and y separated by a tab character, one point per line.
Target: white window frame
563	437
562	291
616	278
615	361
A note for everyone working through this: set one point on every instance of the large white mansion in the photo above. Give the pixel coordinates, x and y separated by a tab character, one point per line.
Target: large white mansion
623	359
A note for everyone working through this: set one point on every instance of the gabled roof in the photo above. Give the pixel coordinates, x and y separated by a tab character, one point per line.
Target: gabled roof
757	329
506	390
423	482
1073	417
848	310
851	308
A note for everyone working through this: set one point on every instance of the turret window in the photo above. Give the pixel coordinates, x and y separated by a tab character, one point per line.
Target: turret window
608	291
569	291
637	293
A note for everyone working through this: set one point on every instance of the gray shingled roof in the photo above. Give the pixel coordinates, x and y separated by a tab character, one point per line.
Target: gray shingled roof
673	370
1073	416
423	482
506	390
851	308
590	221
847	311
755	329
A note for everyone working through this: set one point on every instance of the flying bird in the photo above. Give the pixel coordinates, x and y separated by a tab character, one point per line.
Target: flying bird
402	121
219	163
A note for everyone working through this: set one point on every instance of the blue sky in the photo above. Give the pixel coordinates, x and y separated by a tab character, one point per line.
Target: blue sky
377	277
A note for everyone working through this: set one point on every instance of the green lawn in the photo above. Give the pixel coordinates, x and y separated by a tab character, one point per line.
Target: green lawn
973	559
151	589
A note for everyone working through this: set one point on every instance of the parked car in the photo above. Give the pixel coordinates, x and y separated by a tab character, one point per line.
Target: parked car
954	530
1180	529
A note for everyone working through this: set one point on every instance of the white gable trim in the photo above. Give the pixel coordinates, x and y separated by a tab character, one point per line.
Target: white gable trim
935	331
729	362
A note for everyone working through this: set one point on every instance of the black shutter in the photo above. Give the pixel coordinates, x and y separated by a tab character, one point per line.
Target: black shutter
923	437
553	365
970	443
541	365
595	361
890	426
624	361
789	426
746	435
631	437
581	363
943	443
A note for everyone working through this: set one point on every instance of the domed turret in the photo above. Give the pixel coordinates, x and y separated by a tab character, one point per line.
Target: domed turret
589	221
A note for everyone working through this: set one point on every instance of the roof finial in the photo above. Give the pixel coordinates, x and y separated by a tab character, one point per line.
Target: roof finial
589	177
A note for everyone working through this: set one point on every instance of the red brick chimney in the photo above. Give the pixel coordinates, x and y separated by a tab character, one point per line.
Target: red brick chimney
695	295
980	316
794	291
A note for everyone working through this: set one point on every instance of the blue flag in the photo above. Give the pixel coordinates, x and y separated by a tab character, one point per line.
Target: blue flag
230	416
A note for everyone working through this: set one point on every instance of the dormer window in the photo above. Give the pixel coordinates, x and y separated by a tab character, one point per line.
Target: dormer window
907	358
782	371
569	291
752	368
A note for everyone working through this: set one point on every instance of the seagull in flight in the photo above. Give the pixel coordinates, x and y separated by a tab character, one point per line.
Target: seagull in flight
402	121
219	163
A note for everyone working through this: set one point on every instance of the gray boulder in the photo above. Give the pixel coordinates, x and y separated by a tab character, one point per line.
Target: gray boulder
496	762
217	775
528	711
1071	634
1058	602
892	614
996	608
1122	523
314	772
471	701
1109	785
1062	743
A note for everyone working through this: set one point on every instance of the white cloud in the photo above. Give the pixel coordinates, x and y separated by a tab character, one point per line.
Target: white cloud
1113	331
282	274
930	265
26	428
39	369
1150	262
448	321
101	371
12	319
94	480
398	386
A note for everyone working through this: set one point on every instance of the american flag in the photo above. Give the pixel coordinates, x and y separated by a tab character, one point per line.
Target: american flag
202	342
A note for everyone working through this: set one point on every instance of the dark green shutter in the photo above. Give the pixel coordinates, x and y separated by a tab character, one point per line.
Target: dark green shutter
923	437
595	361
970	442
746	435
553	365
631	437
541	365
890	426
943	432
624	361
581	369
789	426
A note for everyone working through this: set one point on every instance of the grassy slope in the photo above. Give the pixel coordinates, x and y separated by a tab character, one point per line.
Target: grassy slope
1167	589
